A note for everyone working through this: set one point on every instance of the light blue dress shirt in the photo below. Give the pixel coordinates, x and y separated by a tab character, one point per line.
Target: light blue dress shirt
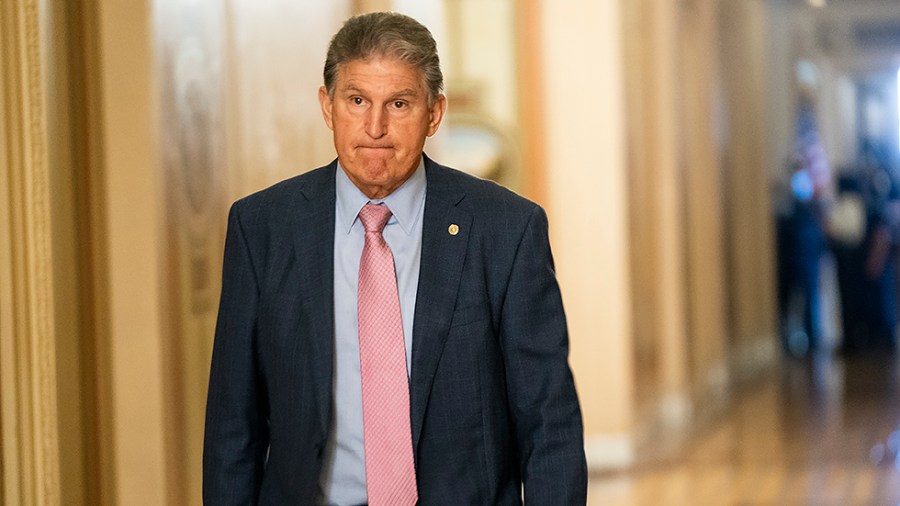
343	480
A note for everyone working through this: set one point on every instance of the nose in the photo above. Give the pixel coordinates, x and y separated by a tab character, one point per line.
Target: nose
376	124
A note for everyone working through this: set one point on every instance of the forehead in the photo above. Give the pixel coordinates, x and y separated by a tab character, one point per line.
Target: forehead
379	73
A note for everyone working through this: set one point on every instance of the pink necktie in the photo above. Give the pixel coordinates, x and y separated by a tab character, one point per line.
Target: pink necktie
390	473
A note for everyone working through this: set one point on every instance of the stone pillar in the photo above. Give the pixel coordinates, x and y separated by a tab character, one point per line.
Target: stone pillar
134	249
587	205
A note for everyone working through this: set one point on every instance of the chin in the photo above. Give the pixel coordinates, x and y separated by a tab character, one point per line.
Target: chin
376	171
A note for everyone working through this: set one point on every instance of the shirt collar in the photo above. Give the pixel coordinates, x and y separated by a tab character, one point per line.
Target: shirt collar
405	202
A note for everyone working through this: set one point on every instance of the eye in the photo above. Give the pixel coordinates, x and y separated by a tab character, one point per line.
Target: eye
399	104
356	100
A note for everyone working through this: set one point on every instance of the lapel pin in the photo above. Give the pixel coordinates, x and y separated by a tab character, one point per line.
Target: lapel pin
453	229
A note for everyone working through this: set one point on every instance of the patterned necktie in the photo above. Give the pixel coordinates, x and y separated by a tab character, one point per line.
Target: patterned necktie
390	473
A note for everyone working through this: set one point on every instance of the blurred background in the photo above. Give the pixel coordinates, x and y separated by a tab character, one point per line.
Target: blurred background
720	178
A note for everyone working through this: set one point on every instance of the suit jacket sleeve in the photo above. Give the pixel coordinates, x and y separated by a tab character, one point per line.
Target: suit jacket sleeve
543	402
236	438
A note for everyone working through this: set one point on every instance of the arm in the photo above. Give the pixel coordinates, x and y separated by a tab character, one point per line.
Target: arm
879	251
236	439
542	398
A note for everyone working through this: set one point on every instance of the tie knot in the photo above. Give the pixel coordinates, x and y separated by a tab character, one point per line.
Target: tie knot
374	217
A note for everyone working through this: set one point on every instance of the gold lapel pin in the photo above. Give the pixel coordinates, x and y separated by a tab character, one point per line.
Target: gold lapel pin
453	229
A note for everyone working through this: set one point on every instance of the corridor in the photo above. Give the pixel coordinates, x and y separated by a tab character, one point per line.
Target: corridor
825	432
666	140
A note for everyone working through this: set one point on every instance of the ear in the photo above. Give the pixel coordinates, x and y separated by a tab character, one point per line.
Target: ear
326	103
437	114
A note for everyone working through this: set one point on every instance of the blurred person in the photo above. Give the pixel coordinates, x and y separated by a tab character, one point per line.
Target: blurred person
801	242
864	252
880	297
783	202
802	237
390	330
847	230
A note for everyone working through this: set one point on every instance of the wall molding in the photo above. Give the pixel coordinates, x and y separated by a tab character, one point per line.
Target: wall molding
28	396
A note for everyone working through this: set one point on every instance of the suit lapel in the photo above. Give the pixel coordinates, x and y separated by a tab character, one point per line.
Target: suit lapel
443	254
314	247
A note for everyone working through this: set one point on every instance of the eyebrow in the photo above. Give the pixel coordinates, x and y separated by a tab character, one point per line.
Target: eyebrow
350	87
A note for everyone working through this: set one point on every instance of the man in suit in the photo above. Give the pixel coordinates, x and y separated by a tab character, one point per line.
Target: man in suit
390	330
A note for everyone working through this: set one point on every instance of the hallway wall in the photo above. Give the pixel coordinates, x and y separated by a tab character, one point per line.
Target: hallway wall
587	207
749	232
702	279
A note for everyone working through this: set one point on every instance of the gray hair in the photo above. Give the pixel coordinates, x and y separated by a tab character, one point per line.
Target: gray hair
385	35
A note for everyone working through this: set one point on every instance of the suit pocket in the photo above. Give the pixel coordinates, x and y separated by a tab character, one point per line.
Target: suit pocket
469	314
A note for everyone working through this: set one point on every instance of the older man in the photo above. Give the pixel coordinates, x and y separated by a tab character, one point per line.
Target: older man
390	330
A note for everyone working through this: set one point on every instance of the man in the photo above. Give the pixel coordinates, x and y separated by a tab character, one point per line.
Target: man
390	330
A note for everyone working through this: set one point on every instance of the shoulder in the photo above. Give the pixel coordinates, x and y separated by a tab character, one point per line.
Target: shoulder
480	197
287	195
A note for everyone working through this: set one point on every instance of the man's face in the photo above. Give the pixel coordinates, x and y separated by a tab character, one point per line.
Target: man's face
380	117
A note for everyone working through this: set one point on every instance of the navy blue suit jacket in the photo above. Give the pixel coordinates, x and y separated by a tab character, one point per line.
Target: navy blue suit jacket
493	404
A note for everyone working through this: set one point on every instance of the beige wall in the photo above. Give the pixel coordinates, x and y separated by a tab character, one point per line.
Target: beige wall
135	248
704	202
587	205
656	215
699	215
748	215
